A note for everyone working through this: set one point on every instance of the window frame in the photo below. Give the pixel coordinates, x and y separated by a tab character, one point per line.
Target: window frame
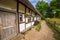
21	21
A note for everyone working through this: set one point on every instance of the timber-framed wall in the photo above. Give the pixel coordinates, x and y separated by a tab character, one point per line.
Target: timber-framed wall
18	17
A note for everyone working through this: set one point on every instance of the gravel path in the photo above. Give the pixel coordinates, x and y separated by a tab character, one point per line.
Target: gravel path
44	34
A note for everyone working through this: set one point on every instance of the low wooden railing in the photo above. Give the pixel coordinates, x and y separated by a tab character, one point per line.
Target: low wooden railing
54	25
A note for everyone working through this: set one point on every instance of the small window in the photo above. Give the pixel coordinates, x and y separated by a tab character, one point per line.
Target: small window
20	18
29	19
33	19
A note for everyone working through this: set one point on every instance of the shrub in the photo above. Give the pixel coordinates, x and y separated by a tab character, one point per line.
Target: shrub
42	18
38	27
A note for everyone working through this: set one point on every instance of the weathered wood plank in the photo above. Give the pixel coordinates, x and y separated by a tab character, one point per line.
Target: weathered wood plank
8	27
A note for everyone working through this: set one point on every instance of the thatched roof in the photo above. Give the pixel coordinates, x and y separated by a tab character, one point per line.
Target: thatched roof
29	5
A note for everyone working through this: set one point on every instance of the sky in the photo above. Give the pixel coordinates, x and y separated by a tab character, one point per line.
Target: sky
35	1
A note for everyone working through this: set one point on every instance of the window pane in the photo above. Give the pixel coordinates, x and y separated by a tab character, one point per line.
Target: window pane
29	19
20	17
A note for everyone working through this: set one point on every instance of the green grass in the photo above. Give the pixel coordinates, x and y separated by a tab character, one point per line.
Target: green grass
52	20
38	27
56	34
58	28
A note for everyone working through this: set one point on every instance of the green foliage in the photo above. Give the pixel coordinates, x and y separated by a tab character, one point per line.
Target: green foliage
42	6
55	6
38	27
52	20
56	34
58	27
49	10
57	20
23	33
42	18
44	9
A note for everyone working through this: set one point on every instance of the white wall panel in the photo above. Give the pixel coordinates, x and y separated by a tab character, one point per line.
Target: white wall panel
26	20
32	23
23	18
34	18
28	25
22	27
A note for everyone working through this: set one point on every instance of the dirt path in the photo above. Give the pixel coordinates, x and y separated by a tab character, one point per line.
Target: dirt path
44	34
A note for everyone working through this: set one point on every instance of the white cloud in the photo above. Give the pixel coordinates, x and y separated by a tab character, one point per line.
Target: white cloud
40	0
44	0
31	0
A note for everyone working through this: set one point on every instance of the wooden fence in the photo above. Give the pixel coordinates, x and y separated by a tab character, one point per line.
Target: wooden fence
53	25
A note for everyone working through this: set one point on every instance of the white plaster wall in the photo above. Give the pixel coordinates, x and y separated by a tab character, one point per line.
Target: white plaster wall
32	23
26	20
34	18
23	18
28	25
38	18
22	27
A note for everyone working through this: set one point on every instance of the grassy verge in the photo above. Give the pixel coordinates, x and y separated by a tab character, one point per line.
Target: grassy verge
56	34
52	20
38	27
58	28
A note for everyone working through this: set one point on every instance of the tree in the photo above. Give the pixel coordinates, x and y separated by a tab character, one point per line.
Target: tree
44	8
40	7
49	13
55	6
49	10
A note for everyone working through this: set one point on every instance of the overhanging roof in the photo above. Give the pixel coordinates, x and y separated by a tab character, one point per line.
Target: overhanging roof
11	4
29	5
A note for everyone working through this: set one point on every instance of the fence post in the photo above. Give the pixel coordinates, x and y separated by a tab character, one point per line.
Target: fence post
55	24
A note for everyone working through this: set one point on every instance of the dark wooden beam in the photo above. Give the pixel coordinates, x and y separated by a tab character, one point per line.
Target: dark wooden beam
17	15
25	18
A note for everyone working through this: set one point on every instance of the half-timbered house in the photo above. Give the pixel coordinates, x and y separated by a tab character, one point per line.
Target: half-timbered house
15	17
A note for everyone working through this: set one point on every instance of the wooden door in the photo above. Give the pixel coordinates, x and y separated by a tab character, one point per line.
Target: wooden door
8	25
